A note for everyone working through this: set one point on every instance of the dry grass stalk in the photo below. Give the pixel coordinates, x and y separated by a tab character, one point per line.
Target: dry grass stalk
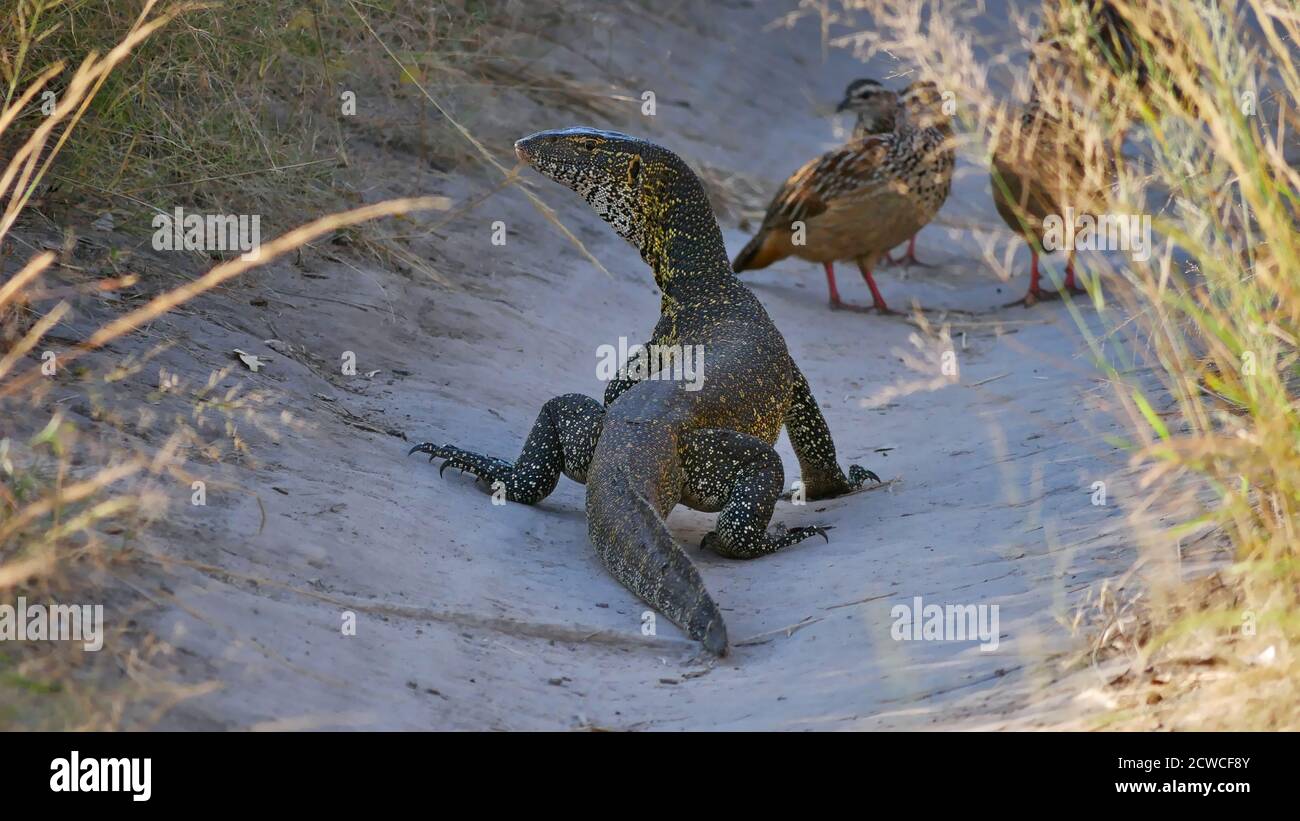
1213	314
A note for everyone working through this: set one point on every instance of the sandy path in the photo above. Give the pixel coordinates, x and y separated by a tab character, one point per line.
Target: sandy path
477	616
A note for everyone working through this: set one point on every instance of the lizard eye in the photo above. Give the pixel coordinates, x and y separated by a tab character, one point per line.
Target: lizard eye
587	145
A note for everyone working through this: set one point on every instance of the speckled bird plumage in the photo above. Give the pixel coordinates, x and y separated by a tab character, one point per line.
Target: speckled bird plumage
1044	165
862	199
654	444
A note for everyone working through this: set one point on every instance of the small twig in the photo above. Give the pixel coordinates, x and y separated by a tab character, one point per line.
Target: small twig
988	380
859	601
790	630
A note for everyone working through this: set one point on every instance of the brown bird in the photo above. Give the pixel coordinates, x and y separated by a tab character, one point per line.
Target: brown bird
879	111
858	201
1044	166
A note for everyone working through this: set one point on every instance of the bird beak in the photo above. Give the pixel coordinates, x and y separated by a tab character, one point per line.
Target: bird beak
843	106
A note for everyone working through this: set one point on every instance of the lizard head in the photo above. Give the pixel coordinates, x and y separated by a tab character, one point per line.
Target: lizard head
924	105
627	181
646	192
875	105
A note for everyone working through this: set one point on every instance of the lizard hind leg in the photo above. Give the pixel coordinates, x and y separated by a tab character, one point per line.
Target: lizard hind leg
742	476
563	440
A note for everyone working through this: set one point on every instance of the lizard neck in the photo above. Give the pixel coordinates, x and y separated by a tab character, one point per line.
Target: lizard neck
682	243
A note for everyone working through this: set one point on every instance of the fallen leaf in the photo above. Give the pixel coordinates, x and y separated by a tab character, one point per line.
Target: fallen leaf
251	361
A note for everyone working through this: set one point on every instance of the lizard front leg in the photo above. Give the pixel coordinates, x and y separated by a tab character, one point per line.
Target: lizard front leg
813	445
629	375
742	476
563	440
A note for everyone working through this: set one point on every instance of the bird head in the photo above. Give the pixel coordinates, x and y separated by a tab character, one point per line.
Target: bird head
874	105
923	104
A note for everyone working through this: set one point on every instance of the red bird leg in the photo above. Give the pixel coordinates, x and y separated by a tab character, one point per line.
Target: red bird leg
1035	292
909	258
830	284
877	301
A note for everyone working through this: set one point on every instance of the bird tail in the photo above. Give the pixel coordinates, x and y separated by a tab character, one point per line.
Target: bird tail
633	541
757	253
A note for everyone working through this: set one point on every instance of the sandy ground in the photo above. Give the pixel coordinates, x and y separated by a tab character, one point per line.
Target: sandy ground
471	615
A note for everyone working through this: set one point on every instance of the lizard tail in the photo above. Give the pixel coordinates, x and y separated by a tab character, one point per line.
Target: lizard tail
636	547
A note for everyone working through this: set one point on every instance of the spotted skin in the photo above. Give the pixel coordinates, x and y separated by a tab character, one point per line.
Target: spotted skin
615	388
563	440
657	444
741	476
813	446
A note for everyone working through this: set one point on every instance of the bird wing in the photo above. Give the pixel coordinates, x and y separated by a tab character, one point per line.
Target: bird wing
809	190
1055	157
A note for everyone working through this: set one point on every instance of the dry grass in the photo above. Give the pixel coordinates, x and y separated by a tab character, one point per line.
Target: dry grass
82	483
1200	346
736	197
240	108
237	110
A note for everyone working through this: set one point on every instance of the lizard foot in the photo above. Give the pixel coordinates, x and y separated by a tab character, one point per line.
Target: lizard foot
858	476
788	536
763	544
486	468
822	487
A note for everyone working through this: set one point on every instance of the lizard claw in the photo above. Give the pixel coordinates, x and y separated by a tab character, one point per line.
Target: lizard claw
423	447
437	452
859	475
452	456
794	535
811	530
